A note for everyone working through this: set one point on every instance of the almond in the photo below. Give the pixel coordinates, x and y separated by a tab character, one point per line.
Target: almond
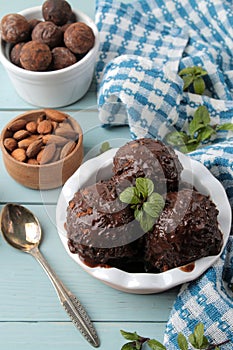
21	134
34	148
10	144
41	117
66	124
68	133
17	125
54	115
67	149
54	125
19	154
46	154
32	161
58	140
31	127
57	154
44	127
25	143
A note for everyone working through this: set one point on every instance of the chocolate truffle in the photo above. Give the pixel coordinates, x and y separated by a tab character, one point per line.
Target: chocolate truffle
35	56
100	228
56	11
47	33
79	38
14	28
186	230
15	54
149	158
33	22
62	57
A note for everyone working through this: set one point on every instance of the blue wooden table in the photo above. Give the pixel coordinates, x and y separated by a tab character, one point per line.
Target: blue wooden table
30	314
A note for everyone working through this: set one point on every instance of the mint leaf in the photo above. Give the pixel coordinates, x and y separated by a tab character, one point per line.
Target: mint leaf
129	346
197	338
190	147
151	209
226	126
206	133
192	341
138	214
187	71
130	336
199	85
188	80
147	222
199	334
105	147
144	186
202	115
147	205
193	76
199	71
194	126
154	205
205	342
182	342
176	138
200	119
155	345
129	196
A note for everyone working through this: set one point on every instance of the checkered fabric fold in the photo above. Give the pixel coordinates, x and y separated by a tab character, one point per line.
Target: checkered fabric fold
143	46
208	300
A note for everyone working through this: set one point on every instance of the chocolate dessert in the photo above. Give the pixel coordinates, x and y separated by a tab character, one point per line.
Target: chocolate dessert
100	227
186	230
152	159
103	230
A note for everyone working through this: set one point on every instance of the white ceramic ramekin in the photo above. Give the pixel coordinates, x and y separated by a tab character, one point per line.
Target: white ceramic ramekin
55	88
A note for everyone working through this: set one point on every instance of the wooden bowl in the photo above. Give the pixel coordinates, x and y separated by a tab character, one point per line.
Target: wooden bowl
52	174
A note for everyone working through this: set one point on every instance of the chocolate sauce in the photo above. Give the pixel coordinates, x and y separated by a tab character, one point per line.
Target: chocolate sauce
188	268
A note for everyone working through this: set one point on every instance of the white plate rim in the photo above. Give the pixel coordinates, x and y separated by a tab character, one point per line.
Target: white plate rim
145	283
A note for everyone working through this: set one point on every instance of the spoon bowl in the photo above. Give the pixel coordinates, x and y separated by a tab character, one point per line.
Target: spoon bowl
20	227
22	230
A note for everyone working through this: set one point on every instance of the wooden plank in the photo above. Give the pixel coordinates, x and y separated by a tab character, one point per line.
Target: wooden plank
26	292
60	336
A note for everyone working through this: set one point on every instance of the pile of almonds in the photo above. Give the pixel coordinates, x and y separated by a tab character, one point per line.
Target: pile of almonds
49	138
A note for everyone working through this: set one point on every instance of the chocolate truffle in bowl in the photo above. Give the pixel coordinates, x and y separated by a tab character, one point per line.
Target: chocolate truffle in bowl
54	75
57	11
14	28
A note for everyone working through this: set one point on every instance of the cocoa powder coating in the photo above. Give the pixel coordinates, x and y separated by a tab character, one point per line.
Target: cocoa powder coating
14	28
35	56
79	38
57	11
47	33
62	57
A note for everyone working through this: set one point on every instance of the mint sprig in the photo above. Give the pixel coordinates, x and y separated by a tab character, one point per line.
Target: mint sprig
199	131
146	203
105	147
193	77
196	340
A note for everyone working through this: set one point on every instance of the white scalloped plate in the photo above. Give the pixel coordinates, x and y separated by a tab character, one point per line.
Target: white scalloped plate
145	283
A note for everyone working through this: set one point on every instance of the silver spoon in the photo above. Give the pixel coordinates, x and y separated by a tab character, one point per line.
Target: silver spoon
22	230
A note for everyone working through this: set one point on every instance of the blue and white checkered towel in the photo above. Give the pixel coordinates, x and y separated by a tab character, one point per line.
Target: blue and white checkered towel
144	44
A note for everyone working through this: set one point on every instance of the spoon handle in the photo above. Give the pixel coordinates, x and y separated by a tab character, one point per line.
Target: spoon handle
70	303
